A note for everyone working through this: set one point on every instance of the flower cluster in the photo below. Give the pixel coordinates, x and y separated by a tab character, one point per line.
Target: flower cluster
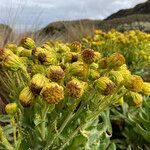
56	79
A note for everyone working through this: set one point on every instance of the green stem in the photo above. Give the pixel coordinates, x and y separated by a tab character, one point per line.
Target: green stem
43	117
5	143
64	124
12	121
19	120
71	137
103	105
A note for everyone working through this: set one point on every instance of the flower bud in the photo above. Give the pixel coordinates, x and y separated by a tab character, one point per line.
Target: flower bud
77	68
115	60
12	47
27	43
137	98
146	88
12	62
37	50
55	73
103	63
75	88
4	52
134	83
52	93
37	83
26	97
104	85
93	74
75	46
71	57
11	108
119	102
116	77
62	48
47	58
97	56
47	47
124	71
25	53
88	56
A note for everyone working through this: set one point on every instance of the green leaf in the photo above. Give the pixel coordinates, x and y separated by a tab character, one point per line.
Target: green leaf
4	118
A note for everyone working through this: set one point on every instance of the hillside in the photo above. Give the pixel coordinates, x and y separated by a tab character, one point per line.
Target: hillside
127	19
142	9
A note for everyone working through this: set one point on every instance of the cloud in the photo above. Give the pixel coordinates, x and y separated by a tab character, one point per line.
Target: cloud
31	12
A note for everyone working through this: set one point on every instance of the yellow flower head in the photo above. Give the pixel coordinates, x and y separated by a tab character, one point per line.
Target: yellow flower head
47	58
37	82
93	74
137	98
11	108
116	77
77	68
88	56
12	47
146	88
134	83
115	60
27	43
12	62
75	46
123	70
55	73
104	85
75	88
52	93
26	97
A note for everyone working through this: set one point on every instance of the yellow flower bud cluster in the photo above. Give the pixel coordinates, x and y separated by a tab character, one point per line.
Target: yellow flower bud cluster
57	71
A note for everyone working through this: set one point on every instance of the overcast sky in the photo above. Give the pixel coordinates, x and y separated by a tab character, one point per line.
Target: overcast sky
30	13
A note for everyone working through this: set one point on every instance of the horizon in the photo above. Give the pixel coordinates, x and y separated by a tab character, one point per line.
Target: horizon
32	15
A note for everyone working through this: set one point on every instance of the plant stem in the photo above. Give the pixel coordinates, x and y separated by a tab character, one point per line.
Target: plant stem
12	121
43	117
104	104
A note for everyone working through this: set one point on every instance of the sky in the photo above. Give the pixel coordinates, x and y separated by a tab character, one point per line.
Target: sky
30	14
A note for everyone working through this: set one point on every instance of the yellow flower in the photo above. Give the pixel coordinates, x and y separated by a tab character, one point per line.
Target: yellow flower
55	73
137	98
12	47
116	76
25	53
47	58
123	70
88	56
12	62
70	57
119	102
26	97
75	46
77	68
103	63
104	85
27	43
75	88
37	82
97	56
93	74
146	88
134	83
52	93
115	60
11	108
